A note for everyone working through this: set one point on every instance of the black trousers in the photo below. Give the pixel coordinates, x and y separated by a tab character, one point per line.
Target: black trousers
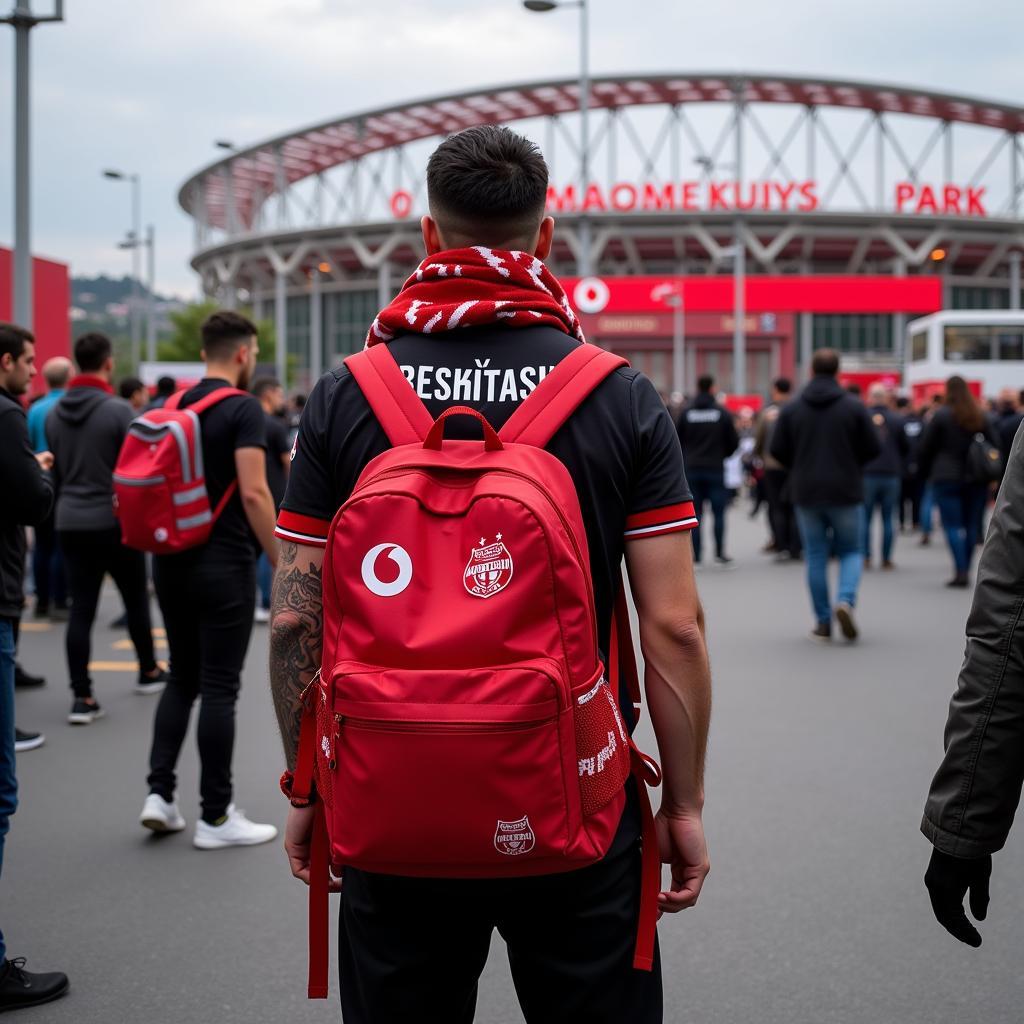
781	513
208	609
414	948
48	567
90	555
911	493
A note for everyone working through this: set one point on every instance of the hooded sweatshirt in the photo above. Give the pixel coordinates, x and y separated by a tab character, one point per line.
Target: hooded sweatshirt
85	430
825	436
706	433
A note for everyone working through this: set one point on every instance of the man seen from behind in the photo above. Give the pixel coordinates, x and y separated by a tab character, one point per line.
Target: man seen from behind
408	944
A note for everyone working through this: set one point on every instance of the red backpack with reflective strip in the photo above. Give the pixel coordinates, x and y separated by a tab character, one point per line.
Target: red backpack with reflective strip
160	492
463	724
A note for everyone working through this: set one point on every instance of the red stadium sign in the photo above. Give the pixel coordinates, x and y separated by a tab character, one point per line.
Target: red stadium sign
733	197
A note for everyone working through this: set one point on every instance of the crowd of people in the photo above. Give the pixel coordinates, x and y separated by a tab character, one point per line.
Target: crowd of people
828	463
634	484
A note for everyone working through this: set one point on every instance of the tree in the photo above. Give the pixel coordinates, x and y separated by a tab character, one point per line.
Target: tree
184	343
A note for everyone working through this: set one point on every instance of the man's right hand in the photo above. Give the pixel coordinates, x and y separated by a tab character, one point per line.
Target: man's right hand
682	845
948	880
45	460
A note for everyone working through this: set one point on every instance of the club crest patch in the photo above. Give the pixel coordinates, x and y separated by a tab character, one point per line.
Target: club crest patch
489	570
514	838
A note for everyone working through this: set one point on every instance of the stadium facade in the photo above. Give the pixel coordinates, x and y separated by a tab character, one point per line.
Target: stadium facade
849	207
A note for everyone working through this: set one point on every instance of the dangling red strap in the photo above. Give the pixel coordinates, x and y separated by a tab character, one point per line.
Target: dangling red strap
319	906
305	761
624	657
646	772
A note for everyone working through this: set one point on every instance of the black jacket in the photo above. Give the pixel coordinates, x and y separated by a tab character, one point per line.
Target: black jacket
942	456
889	428
975	792
1006	430
28	497
913	431
825	436
86	429
706	433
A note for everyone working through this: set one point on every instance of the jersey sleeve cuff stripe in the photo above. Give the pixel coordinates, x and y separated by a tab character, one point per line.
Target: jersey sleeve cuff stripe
658	516
308	526
300	538
656	531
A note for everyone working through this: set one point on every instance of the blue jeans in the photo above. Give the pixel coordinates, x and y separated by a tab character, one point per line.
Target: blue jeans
927	509
8	778
708	485
837	527
882	492
962	507
264	579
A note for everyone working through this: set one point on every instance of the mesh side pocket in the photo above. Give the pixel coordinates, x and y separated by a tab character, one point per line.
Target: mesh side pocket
602	748
326	745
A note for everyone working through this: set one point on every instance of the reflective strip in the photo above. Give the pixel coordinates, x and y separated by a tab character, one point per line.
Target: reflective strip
146	426
679	524
139	481
191	522
187	497
197	433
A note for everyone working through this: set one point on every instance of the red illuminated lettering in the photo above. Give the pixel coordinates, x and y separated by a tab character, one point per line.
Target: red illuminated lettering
784	192
594	200
690	195
808	197
562	202
653	199
927	200
716	196
904	193
951	199
743	204
974	203
624	196
401	204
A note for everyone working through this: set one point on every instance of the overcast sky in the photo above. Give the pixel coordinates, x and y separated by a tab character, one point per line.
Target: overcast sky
147	85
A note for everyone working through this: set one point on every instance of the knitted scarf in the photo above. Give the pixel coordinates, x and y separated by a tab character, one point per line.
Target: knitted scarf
472	287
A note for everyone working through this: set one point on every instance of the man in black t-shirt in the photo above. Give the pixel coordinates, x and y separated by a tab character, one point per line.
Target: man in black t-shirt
207	595
407	944
270	394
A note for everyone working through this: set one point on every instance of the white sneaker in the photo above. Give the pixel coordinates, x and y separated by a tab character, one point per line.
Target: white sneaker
262	614
160	816
235	830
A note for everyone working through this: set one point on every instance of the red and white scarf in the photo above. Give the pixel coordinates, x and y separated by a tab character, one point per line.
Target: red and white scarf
473	287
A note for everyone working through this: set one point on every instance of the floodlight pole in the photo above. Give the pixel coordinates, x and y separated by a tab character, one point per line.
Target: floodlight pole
22	20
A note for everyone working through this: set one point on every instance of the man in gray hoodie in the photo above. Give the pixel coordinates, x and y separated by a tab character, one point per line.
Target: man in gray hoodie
86	429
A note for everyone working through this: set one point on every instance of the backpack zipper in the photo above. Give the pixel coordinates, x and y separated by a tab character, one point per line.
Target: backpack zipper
383	725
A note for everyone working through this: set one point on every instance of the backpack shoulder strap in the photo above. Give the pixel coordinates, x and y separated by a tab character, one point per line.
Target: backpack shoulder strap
402	416
206	402
559	394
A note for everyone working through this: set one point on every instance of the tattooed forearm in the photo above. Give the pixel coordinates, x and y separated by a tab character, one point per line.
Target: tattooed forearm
295	636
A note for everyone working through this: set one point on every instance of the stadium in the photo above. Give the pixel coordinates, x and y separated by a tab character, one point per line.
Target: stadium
721	213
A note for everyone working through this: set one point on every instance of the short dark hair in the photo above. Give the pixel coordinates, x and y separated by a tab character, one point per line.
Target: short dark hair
222	332
261	385
783	385
825	362
705	384
129	386
92	350
166	386
902	402
487	185
13	339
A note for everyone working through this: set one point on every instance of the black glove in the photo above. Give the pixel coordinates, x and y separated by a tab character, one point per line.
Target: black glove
948	879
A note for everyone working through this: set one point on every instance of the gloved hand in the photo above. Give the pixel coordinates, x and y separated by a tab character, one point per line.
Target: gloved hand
948	879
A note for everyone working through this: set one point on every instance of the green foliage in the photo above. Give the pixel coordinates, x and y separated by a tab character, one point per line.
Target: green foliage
184	343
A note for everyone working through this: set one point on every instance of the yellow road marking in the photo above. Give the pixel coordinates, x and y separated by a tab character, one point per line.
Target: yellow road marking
127	645
36	627
113	666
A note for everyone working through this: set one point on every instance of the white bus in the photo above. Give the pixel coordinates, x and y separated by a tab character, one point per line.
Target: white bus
985	347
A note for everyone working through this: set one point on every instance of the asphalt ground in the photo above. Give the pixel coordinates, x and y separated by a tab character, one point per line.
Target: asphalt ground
815	911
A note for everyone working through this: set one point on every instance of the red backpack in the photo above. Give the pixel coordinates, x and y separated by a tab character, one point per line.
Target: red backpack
463	725
159	488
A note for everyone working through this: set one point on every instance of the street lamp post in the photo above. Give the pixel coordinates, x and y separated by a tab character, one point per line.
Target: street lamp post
584	263
23	21
149	244
136	237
